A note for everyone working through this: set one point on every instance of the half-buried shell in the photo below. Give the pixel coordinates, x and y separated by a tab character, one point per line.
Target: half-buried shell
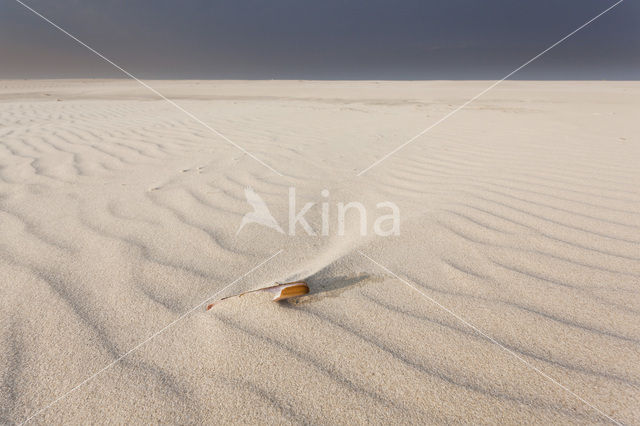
281	291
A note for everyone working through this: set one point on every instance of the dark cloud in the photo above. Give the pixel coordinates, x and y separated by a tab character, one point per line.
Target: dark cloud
321	39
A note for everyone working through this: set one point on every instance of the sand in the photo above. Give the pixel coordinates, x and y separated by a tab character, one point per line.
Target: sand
511	294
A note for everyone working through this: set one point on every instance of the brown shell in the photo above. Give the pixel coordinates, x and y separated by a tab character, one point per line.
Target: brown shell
283	292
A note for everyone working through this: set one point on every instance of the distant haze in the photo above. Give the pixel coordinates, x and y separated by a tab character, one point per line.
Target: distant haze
322	39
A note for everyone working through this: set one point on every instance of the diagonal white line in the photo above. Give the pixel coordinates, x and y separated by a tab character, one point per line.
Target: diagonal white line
485	335
488	88
188	113
154	335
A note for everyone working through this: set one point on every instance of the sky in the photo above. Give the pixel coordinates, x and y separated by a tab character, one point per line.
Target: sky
321	39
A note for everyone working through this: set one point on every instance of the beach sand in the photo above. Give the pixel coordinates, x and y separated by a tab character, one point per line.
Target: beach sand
510	295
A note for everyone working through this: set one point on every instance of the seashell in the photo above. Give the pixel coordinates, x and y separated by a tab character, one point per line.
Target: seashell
282	292
289	290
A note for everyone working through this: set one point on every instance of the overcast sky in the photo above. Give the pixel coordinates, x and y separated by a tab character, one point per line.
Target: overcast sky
321	39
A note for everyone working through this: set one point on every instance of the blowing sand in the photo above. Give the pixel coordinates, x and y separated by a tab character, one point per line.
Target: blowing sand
520	232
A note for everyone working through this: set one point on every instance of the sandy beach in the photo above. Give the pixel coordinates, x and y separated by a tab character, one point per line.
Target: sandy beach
511	293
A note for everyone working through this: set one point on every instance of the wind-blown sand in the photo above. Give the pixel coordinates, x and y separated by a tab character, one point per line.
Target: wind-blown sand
520	214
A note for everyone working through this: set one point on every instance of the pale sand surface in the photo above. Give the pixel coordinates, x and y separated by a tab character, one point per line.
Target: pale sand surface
521	214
